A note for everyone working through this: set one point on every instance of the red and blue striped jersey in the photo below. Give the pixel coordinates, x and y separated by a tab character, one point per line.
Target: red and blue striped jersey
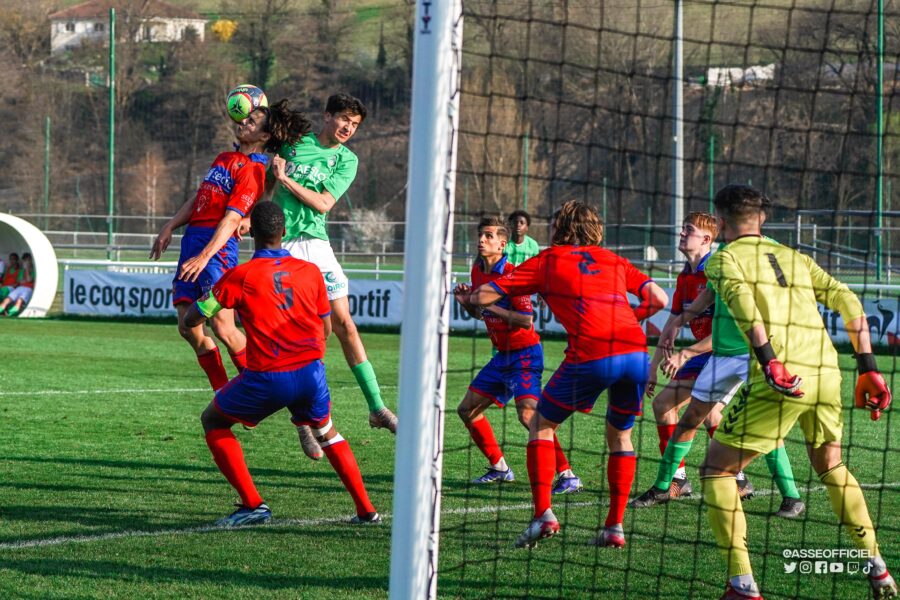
235	181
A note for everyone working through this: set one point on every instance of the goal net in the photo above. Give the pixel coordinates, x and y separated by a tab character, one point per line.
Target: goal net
643	110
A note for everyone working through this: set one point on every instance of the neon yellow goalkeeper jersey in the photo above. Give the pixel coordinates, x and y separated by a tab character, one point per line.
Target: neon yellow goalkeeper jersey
764	282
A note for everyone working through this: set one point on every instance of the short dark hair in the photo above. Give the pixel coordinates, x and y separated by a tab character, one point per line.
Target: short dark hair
519	213
341	102
502	229
267	222
736	202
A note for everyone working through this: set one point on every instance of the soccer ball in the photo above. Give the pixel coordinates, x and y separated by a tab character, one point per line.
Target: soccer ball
243	100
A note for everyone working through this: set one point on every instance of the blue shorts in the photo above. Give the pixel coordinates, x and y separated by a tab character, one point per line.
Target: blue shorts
515	374
193	242
254	395
691	369
576	386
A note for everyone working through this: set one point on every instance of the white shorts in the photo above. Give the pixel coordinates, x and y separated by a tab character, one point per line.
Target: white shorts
21	293
319	253
721	378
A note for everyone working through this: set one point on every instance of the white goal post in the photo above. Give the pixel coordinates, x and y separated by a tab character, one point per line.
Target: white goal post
427	271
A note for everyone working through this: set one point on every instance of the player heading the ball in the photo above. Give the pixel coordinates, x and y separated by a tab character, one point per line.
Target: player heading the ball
230	189
308	177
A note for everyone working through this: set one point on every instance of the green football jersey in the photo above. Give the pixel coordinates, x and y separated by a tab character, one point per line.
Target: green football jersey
316	168
516	254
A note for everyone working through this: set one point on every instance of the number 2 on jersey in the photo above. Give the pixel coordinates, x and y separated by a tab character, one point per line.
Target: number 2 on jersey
585	266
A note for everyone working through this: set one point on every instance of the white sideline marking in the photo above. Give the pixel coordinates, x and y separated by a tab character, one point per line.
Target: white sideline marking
79	539
146	391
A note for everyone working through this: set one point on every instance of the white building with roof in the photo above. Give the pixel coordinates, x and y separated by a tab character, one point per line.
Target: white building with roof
89	22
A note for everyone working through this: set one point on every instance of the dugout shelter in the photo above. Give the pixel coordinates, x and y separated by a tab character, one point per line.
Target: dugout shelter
19	236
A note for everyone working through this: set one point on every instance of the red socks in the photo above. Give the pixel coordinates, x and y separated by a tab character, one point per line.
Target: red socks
211	363
712	431
239	359
665	434
620	467
483	436
541	468
344	463
562	463
229	457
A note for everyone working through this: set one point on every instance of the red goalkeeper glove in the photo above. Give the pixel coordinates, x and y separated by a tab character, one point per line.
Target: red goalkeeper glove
872	392
777	375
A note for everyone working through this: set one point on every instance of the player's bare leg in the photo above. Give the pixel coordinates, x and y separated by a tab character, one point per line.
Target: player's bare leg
726	515
541	463
471	413
339	454
567	482
229	458
666	405
224	327
355	353
620	470
204	347
849	506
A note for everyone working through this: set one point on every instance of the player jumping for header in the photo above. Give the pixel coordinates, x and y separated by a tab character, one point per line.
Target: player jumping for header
283	306
311	176
586	287
517	367
235	181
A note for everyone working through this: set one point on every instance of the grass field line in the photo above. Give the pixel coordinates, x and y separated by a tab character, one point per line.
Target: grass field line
143	391
306	523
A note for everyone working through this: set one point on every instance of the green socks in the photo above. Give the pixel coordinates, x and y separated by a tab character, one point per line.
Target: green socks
780	468
671	458
368	383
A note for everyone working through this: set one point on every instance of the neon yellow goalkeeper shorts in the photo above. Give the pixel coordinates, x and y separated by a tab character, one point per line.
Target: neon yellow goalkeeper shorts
760	417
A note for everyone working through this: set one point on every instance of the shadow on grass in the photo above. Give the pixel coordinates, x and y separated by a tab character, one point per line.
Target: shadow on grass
224	578
303	471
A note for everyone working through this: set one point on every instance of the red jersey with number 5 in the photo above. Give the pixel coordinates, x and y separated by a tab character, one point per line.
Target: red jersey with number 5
586	287
281	301
504	337
235	181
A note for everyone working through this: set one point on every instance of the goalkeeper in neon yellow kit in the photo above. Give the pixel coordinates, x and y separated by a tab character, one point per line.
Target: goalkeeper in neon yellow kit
772	291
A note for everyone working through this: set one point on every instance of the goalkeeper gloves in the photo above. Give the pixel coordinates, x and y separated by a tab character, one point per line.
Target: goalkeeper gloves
777	375
872	392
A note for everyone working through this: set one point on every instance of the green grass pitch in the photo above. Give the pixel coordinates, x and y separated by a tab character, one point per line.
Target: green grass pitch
107	489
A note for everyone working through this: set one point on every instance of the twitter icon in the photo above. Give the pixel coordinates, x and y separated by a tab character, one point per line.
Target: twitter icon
790	567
